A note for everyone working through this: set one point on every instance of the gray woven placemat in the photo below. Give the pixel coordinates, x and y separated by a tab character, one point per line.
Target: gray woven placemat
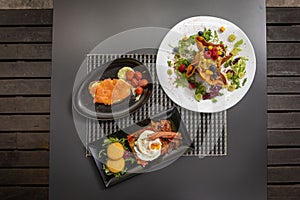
207	130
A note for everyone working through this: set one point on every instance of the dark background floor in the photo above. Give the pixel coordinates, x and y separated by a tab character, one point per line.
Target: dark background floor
25	76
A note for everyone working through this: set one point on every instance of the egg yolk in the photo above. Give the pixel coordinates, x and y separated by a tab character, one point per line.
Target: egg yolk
155	146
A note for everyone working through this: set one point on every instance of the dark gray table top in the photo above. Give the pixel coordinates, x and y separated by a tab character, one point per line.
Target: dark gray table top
78	27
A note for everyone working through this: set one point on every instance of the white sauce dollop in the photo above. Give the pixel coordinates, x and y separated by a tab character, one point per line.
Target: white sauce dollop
147	149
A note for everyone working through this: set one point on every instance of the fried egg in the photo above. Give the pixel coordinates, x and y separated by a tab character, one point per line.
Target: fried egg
147	149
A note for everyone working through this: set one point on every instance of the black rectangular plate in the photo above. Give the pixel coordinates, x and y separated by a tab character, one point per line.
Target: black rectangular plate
134	169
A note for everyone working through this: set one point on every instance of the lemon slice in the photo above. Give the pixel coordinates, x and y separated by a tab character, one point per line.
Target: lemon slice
92	87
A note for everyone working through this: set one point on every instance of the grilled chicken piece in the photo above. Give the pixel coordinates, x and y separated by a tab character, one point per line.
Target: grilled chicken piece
110	91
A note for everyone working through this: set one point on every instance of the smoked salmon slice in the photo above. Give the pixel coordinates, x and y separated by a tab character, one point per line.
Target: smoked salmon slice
110	91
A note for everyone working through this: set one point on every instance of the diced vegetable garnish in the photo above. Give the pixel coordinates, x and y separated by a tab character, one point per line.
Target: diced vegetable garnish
231	37
231	88
214	100
139	90
170	72
198	97
222	29
182	68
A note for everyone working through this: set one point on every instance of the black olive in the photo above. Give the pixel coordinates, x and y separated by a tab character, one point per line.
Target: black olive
236	60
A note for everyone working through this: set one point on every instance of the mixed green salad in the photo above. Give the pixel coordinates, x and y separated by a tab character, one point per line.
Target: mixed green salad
234	69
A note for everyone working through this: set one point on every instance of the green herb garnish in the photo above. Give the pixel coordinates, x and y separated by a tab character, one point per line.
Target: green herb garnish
181	61
215	38
213	100
238	43
110	140
180	79
207	35
117	175
236	48
132	160
185	47
101	152
244	81
200	89
238	66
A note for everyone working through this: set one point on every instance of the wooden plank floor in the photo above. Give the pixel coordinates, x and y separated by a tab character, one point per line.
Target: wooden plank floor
25	77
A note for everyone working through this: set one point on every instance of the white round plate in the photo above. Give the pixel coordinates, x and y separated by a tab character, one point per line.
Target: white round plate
184	97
